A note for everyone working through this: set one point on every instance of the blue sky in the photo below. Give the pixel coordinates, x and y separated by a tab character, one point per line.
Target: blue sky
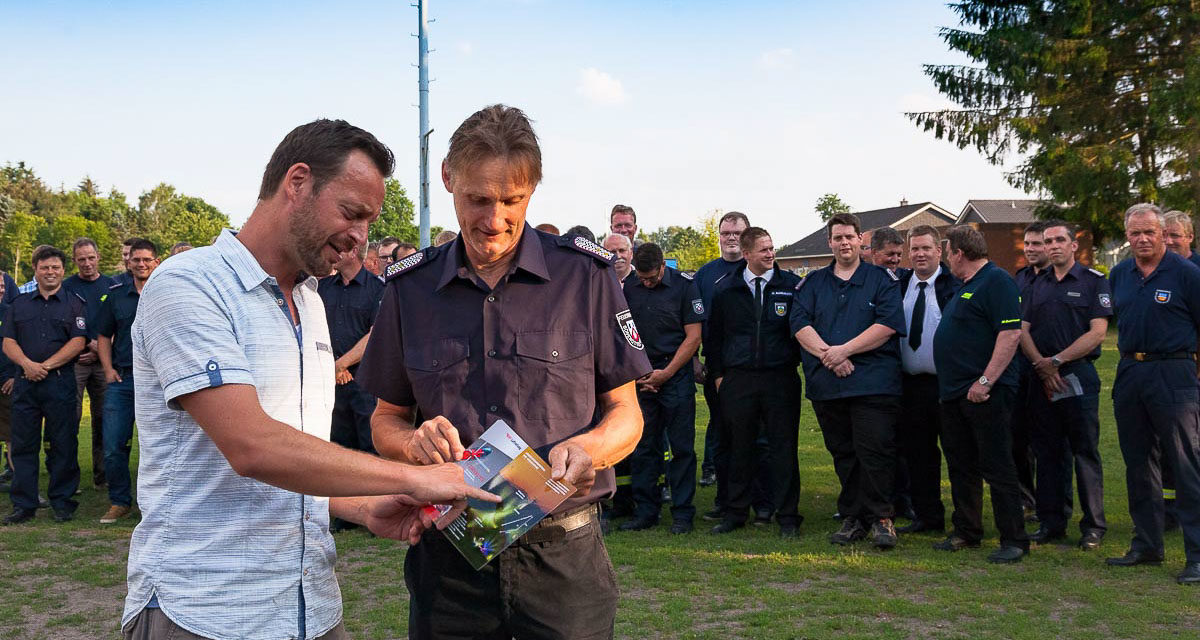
674	108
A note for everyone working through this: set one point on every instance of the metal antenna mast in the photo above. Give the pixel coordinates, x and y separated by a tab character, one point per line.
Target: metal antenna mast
423	91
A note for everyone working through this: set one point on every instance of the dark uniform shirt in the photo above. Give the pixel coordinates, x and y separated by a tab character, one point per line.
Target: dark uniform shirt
708	276
661	312
966	337
115	321
1059	311
91	292
839	310
1157	314
1194	258
350	308
41	326
743	337
535	351
10	288
7	368
1025	277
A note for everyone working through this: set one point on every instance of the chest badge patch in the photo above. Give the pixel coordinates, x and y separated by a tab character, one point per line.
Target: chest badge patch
780	308
1162	296
625	321
698	306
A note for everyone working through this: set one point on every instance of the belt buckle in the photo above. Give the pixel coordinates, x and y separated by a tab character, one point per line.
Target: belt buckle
1139	356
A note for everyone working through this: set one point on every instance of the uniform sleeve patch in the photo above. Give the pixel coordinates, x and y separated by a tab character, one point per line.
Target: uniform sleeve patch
1105	300
589	247
406	264
698	306
625	321
80	323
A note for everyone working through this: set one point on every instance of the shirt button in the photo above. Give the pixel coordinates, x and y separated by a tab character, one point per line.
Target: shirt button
435	363
554	354
493	408
306	572
492	353
491	298
279	301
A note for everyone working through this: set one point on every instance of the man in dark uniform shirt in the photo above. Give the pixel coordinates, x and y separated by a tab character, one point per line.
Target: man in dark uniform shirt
1035	264
44	330
973	352
666	305
846	317
752	358
508	323
114	323
1156	299
91	286
1064	319
1178	234
6	386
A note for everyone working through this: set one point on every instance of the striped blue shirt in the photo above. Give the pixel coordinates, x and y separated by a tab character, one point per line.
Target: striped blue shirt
227	556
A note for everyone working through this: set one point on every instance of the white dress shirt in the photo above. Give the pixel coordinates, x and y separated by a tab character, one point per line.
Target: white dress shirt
921	360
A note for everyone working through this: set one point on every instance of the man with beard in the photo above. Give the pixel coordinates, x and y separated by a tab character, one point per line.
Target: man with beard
114	322
507	323
235	378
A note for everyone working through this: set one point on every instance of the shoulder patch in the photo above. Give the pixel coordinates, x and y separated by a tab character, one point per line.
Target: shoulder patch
891	273
686	276
405	265
584	245
1097	272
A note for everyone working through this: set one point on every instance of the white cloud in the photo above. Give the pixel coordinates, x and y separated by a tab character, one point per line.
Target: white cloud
465	48
600	87
781	59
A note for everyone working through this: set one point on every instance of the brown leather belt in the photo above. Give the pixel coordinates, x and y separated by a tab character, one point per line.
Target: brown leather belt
1151	357
557	526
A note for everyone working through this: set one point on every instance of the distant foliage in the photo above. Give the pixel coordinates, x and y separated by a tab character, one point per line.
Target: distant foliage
691	246
830	205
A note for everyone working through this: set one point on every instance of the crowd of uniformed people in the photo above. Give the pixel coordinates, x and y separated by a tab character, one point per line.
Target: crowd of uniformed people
997	369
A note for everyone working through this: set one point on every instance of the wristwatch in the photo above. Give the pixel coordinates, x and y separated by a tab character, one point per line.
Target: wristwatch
1056	361
985	382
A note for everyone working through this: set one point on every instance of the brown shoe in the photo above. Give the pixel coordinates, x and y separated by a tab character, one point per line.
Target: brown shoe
115	512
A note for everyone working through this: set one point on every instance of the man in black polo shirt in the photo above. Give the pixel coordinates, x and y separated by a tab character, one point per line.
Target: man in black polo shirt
113	325
752	358
666	305
846	317
44	330
973	350
1064	319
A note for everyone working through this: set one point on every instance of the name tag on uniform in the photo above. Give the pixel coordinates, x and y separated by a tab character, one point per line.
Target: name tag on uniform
1074	294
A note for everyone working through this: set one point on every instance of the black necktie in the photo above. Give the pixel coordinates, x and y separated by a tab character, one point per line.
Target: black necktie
918	318
758	293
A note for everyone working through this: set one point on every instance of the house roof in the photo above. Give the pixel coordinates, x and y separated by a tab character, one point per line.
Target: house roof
1010	211
816	244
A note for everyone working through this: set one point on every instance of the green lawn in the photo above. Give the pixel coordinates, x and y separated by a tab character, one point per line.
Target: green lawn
63	582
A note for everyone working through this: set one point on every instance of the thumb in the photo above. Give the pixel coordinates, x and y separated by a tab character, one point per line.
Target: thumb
558	463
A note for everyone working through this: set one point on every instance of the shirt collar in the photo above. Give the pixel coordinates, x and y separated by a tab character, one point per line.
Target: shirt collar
932	277
57	295
247	269
749	276
530	258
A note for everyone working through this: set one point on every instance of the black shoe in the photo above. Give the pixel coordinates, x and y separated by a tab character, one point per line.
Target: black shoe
1044	535
907	513
851	531
1007	555
666	494
708	478
1134	558
954	542
727	526
762	518
62	515
1190	575
18	516
638	524
883	534
1091	541
43	503
837	515
921	526
789	531
713	515
680	527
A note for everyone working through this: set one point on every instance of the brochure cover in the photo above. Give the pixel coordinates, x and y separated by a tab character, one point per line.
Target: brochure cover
500	462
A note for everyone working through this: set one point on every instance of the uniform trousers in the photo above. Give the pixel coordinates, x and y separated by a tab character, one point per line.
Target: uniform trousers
770	397
917	434
761	490
977	439
860	434
90	378
51	400
350	425
1066	434
671	413
1157	406
1022	445
562	589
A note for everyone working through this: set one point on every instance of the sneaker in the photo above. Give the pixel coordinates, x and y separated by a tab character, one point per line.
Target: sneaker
708	478
114	513
62	515
883	534
851	531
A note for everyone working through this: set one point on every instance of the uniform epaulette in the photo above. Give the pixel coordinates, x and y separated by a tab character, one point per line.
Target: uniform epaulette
686	276
803	279
583	245
721	278
116	286
1098	272
407	264
891	273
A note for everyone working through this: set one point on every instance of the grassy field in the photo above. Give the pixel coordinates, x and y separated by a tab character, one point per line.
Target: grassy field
67	581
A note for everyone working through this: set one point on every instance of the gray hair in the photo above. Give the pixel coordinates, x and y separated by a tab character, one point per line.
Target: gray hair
622	237
1145	207
1180	218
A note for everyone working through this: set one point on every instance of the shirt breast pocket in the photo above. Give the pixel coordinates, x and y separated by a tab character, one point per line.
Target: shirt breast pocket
438	372
554	372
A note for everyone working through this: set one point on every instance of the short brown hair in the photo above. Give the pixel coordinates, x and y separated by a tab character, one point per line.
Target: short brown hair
848	219
884	236
46	252
750	236
1055	222
733	216
967	239
323	145
84	242
622	209
497	131
924	230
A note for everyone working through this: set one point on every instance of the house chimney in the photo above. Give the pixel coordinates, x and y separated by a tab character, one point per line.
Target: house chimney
903	201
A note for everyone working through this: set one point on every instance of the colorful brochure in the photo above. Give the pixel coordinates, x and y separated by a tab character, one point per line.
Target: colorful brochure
501	463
